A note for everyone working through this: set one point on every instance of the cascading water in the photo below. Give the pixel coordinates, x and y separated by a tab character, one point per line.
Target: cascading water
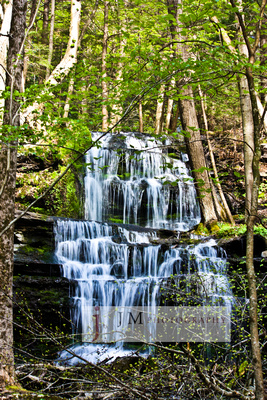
129	185
113	266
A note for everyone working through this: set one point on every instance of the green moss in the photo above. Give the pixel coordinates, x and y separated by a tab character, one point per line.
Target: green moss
214	228
63	200
201	230
116	220
16	388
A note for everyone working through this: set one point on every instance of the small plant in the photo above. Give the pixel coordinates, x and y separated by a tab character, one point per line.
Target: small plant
228	230
263	192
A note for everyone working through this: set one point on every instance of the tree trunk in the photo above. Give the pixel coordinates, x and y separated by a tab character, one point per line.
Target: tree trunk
140	104
248	128
248	133
116	106
70	57
159	110
51	38
196	155
217	182
45	22
252	202
169	108
4	42
174	120
8	161
252	216
68	99
34	9
140	113
63	68
263	59
190	125
104	70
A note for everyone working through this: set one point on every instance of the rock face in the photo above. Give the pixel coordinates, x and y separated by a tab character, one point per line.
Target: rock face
41	295
236	251
34	241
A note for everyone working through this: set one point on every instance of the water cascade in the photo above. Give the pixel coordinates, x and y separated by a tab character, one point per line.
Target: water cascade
111	263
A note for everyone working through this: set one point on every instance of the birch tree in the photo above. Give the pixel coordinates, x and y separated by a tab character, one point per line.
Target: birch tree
62	69
159	110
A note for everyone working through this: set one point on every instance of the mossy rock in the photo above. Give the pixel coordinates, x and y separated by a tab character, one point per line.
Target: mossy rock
213	227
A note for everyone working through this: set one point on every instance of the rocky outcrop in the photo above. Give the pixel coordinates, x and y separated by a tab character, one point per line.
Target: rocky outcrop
236	250
41	295
34	245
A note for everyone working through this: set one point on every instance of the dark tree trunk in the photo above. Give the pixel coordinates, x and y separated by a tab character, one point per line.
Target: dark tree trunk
33	9
8	160
252	217
45	22
263	60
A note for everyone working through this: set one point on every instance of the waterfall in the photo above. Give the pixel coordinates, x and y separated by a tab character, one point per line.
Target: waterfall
114	265
135	185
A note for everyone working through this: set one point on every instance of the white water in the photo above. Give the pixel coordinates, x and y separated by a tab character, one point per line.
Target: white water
112	266
130	186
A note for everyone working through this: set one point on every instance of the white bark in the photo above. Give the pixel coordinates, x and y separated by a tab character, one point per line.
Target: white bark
261	111
65	65
159	110
169	108
117	107
68	99
247	124
140	113
70	57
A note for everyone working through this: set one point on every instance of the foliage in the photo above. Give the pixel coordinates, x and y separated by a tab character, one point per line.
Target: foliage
228	230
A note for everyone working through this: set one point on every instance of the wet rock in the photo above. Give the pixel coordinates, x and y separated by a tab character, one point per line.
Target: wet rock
236	252
123	364
40	305
236	247
117	270
33	239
